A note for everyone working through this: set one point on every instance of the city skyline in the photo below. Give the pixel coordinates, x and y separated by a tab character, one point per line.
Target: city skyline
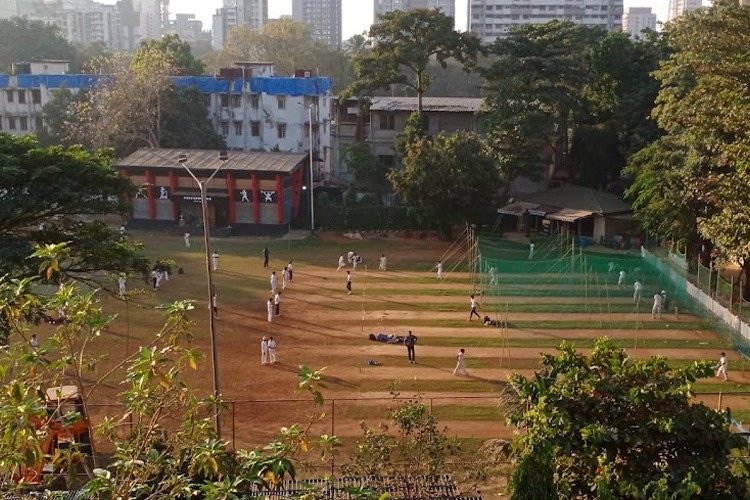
358	14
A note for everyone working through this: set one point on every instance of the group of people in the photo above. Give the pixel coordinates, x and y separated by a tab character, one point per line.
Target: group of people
273	306
411	340
661	301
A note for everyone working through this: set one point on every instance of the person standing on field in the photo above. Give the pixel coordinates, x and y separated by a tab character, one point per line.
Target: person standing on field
637	289
349	256
187	240
269	308
215	305
409	342
658	303
721	368
440	269
121	284
215	260
264	351
460	362
474	308
290	267
341	262
274	283
265	256
277	303
271	350
349	282
284	278
532	250
382	265
621	279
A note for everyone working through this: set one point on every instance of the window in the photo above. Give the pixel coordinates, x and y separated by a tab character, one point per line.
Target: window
236	100
387	121
11	123
237	128
255	129
9	94
281	130
224	128
224	100
24	123
281	100
38	123
255	101
36	96
21	97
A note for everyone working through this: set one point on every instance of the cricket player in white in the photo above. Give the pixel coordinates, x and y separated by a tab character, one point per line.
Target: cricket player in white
215	260
290	268
284	278
637	289
271	350
341	262
532	250
187	240
269	306
382	263
460	363
721	368
349	282
264	351
349	257
621	279
274	283
658	303
277	303
440	269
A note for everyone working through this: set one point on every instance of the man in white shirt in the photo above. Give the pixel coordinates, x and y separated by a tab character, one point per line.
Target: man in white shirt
121	284
277	303
264	351
290	267
349	282
349	256
637	290
621	279
474	308
274	283
382	263
271	350
187	240
341	262
658	303
460	363
721	368
440	269
269	308
532	250
215	260
284	278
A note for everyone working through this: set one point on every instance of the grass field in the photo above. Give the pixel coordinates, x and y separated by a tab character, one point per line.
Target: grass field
322	326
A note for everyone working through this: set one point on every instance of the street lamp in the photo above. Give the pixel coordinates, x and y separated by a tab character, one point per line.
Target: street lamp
202	185
312	198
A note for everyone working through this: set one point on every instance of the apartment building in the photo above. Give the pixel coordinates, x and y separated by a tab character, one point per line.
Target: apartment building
491	19
254	13
252	113
637	20
323	17
448	7
679	7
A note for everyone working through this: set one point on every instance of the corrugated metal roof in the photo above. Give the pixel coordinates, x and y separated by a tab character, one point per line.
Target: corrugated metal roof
202	159
578	198
430	104
569	215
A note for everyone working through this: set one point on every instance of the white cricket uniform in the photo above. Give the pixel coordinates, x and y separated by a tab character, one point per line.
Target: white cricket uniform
269	306
658	303
382	263
263	351
349	257
440	270
532	249
722	367
341	262
187	240
621	278
215	261
460	364
121	283
637	289
274	284
272	350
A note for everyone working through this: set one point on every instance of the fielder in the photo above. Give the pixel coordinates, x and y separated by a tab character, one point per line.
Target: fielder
271	350
460	363
658	304
264	351
290	268
215	260
532	250
274	283
621	279
721	368
269	308
349	282
187	240
382	263
277	303
284	278
637	289
341	262
440	269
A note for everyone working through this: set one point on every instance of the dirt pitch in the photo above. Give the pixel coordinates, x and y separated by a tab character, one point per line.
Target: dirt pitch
322	326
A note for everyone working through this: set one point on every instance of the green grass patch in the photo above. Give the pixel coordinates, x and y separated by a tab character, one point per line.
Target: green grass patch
410	386
602	325
648	343
723	387
441	412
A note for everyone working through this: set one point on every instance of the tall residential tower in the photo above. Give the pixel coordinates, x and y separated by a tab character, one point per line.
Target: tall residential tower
254	13
448	7
638	19
323	17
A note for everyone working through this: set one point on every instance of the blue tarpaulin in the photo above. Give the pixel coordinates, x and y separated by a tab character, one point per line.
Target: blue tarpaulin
206	84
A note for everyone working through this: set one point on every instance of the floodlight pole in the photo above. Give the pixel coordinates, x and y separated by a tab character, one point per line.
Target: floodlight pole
202	185
312	198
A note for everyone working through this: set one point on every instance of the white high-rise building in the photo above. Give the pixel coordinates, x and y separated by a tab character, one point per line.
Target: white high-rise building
638	19
323	17
254	13
491	19
448	7
680	7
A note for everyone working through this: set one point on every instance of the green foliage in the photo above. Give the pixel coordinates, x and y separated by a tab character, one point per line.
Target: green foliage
405	44
369	173
452	178
534	478
396	454
178	51
620	427
185	123
368	218
58	113
49	195
26	40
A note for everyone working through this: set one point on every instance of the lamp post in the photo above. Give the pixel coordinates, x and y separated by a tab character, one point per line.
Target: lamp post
202	185
312	198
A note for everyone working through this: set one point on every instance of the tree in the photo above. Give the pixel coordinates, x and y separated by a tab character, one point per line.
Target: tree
405	42
179	52
535	94
369	172
57	113
622	428
703	103
454	178
54	195
137	105
27	40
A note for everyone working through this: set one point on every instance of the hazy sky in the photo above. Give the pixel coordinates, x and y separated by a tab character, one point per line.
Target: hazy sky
357	15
